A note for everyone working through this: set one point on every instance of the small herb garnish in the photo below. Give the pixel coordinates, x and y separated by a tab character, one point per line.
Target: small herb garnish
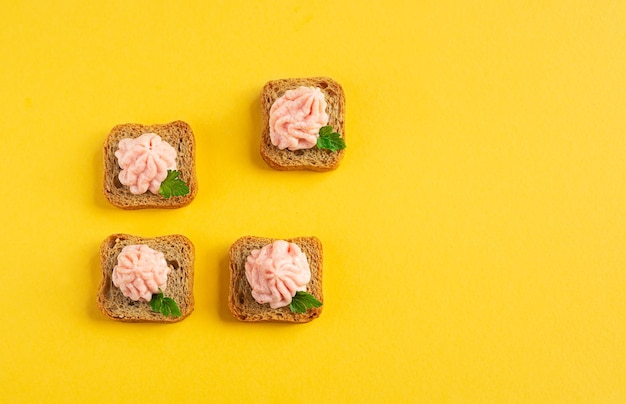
330	140
164	305
173	186
303	301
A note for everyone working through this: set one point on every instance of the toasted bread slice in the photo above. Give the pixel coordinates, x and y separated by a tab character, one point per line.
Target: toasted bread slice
180	136
308	159
179	254
240	301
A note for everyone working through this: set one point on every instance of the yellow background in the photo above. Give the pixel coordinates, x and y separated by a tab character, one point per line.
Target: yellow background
474	233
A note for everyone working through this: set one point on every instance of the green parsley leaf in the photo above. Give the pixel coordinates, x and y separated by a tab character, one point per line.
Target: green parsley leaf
330	140
303	301
156	302
297	306
173	186
326	130
164	305
172	306
165	310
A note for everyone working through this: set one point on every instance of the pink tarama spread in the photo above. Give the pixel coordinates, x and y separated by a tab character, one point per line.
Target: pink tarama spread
296	118
144	162
140	272
276	272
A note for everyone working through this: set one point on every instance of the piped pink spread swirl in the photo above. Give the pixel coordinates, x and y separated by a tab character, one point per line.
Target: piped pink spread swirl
144	162
140	272
296	118
276	272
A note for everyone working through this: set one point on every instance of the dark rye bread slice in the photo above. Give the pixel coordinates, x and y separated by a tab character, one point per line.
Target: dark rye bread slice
180	136
179	254
309	159
240	301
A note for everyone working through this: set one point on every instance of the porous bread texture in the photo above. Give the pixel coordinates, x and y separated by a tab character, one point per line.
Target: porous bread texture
314	159
240	301
179	253
180	136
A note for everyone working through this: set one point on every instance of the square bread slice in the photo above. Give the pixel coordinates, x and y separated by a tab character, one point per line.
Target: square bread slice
240	301
180	136
308	159
179	253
